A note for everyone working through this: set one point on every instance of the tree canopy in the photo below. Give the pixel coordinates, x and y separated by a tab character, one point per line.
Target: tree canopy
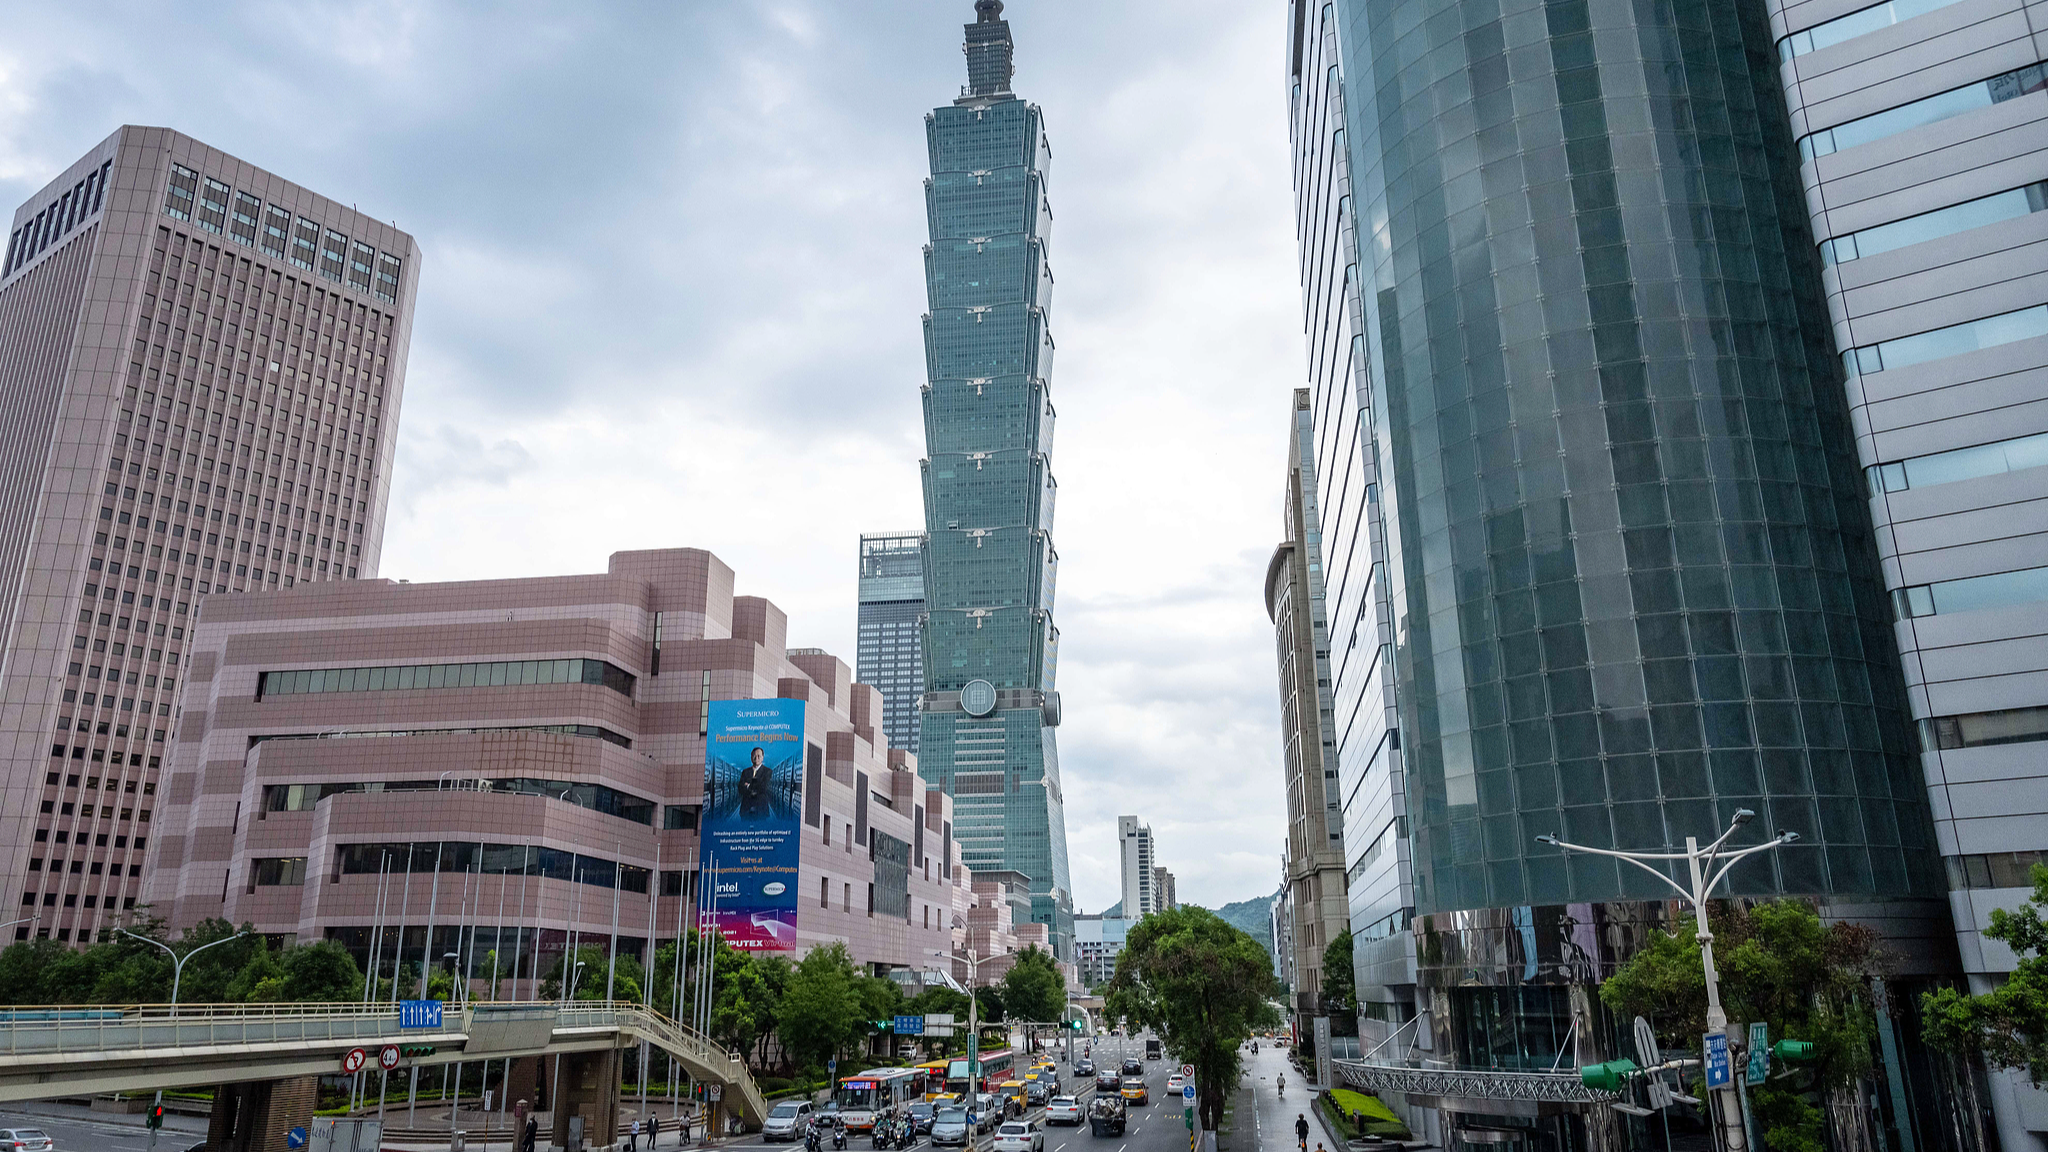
1778	964
1033	988
1340	983
122	970
2008	1024
1203	985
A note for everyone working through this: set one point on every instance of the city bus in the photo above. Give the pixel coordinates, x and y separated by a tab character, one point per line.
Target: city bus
996	1067
877	1092
934	1077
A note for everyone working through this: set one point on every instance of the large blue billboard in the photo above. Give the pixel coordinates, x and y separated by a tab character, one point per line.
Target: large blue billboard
753	809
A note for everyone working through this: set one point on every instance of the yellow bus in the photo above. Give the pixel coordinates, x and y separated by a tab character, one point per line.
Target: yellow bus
935	1077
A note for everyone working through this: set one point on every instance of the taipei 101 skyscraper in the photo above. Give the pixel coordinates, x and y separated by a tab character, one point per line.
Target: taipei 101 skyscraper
989	709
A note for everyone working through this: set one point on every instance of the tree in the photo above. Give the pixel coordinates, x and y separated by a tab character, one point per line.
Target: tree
821	1010
1340	983
1033	988
1204	986
939	1000
1778	964
992	1006
2009	1024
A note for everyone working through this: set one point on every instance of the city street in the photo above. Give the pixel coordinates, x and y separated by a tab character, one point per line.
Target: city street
76	1128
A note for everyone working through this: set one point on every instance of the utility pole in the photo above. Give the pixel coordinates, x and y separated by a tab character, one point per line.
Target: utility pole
1727	1108
177	978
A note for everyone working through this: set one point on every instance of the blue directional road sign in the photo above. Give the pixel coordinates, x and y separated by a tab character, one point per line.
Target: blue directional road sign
1187	1093
1716	1060
910	1025
1759	1068
296	1138
419	1013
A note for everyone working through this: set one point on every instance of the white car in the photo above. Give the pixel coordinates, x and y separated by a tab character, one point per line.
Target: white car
25	1140
1020	1136
1173	1084
1063	1110
790	1120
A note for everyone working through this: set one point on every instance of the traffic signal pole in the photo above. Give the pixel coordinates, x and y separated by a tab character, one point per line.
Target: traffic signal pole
1726	1107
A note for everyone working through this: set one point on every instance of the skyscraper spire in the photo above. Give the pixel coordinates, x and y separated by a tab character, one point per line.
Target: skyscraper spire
988	52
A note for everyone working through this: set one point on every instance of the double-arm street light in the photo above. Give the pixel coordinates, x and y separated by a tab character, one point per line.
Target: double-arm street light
966	956
177	977
1704	877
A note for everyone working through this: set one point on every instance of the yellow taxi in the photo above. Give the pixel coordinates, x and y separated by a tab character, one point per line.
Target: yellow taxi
1133	1091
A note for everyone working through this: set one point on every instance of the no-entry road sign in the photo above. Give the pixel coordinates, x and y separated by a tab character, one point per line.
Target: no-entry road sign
352	1062
387	1057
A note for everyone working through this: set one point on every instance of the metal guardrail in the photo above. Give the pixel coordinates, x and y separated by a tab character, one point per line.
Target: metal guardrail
1470	1083
46	1038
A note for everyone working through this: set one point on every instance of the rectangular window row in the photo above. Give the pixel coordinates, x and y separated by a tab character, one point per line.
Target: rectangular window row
590	730
1984	729
1954	340
307	244
1927	110
495	674
1972	593
68	211
491	860
1960	464
1994	869
596	797
1842	28
1999	206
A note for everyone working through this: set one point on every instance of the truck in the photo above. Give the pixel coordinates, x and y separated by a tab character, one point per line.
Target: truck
1106	1115
1152	1048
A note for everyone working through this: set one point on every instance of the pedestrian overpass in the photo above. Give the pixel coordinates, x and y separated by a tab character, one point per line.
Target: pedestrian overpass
77	1051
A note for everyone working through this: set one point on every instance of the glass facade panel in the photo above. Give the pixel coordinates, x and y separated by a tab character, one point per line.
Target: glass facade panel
1985	210
496	674
1928	110
1954	340
1843	28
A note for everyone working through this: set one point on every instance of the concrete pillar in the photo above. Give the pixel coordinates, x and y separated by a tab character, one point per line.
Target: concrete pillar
258	1116
524	1080
589	1088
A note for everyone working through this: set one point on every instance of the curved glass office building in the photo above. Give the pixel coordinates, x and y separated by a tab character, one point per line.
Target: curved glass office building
1628	567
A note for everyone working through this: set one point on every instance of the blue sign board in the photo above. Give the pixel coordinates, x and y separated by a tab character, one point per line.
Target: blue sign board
1716	1060
1187	1093
909	1026
419	1013
753	806
296	1138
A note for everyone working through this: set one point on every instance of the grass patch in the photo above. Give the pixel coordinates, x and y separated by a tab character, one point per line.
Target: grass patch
1339	1104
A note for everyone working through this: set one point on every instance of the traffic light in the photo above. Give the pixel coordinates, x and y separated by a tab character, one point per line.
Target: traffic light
1608	1077
416	1050
1793	1050
1074	1024
156	1116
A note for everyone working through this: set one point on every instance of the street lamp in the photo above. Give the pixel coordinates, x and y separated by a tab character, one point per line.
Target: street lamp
966	956
23	920
1700	861
177	977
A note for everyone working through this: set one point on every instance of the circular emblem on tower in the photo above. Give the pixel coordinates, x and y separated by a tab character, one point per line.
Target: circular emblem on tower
978	698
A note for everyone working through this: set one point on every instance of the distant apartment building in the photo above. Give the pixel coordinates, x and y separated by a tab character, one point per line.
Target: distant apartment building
889	653
503	766
1315	898
1922	136
201	367
1140	879
1098	941
1162	890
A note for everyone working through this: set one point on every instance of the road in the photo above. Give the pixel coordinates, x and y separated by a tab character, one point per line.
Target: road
1156	1127
77	1129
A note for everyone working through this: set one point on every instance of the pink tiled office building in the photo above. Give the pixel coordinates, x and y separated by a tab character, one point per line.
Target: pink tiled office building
200	372
508	764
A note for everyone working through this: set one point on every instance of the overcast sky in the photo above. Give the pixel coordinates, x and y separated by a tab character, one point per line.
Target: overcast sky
670	297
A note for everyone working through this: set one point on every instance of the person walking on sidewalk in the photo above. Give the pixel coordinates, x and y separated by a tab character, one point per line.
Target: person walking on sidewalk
633	1138
653	1131
1301	1130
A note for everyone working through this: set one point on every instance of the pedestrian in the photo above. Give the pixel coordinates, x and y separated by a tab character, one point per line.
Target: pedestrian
633	1138
685	1122
653	1131
531	1137
1301	1130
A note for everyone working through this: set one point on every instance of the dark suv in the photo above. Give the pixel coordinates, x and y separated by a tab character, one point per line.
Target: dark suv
1134	1068
1107	1080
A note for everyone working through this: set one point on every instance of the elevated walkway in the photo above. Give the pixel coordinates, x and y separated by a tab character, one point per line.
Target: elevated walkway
77	1051
1423	1084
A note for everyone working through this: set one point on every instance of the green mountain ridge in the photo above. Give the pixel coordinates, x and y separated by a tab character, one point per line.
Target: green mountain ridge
1254	917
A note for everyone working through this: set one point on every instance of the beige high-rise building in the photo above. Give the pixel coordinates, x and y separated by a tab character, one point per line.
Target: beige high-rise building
1314	892
201	365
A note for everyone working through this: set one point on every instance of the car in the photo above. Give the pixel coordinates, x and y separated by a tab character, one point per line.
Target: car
1133	1090
1173	1084
949	1126
989	1111
1020	1136
1084	1067
1063	1110
789	1120
1107	1080
921	1115
1037	1093
25	1140
1134	1068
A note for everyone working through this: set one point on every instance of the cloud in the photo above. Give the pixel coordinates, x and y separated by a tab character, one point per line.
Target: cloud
663	242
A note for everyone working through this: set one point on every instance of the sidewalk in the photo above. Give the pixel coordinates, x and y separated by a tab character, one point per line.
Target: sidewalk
1275	1114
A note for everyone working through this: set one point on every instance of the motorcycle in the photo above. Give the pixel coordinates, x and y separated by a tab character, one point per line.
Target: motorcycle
811	1141
838	1137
